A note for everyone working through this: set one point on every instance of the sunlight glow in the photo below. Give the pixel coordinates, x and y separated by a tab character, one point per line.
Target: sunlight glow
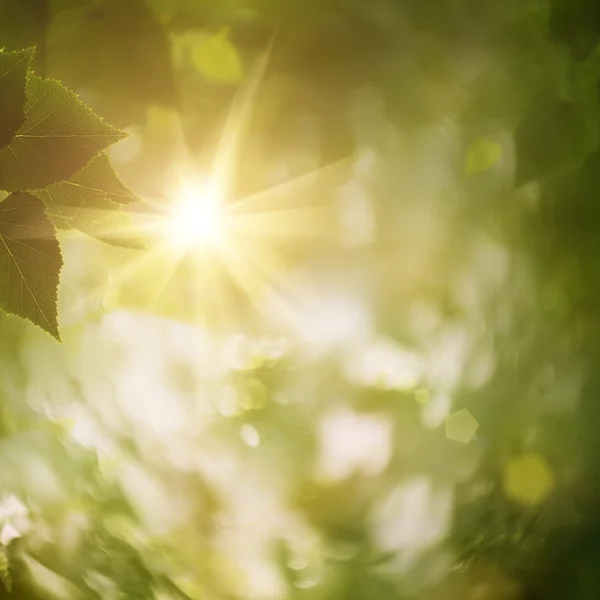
215	256
197	219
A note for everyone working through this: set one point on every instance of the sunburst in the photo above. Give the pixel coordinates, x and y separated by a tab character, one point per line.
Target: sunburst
220	243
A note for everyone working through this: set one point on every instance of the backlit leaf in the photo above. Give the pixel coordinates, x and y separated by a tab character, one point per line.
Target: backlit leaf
60	136
30	261
90	202
95	183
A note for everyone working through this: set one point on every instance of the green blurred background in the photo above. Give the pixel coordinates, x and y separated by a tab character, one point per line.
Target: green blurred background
427	425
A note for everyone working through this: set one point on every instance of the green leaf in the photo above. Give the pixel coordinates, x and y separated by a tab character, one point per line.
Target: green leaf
96	182
30	262
13	74
481	155
90	201
217	58
60	136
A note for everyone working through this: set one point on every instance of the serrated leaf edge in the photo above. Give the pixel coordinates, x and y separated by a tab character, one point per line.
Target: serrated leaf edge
54	334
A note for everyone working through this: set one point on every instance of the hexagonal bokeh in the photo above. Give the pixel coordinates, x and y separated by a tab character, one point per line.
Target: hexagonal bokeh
461	426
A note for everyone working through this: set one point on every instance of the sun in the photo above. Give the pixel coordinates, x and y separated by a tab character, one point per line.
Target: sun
213	253
197	218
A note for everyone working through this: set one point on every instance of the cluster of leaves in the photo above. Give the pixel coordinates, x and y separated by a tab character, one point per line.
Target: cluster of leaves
57	176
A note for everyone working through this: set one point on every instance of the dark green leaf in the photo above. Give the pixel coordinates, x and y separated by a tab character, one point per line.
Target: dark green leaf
30	261
59	137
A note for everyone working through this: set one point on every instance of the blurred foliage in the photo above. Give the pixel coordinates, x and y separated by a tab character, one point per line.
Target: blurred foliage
396	397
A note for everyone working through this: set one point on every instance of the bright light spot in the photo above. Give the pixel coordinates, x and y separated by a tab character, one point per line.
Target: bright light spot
528	479
447	358
250	435
435	411
12	507
14	520
8	533
461	426
333	319
197	219
353	442
415	515
86	432
228	402
385	365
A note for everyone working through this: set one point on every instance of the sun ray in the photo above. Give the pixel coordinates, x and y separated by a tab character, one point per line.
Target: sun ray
156	264
224	168
255	271
221	251
287	194
292	223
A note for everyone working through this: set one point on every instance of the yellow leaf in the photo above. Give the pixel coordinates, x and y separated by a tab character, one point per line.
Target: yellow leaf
217	58
481	155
